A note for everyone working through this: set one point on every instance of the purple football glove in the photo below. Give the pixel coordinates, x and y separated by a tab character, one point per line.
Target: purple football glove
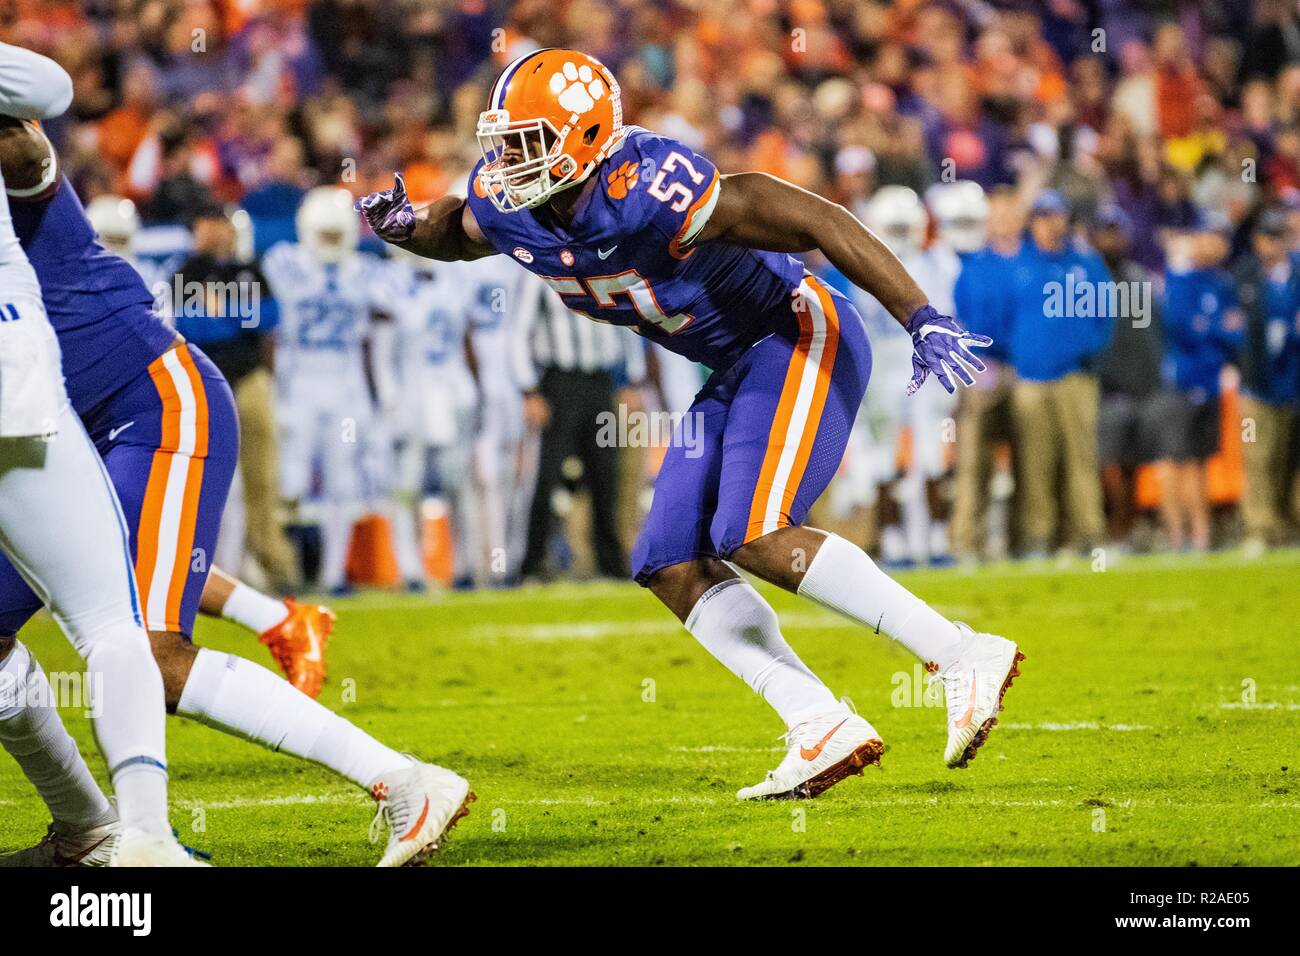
389	213
943	347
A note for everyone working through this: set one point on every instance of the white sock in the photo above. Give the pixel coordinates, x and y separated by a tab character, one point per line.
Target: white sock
406	540
248	701
337	521
252	609
130	725
938	544
33	734
843	578
741	630
141	790
893	544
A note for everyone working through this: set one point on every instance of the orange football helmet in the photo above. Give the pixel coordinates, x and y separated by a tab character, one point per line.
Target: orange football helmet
552	117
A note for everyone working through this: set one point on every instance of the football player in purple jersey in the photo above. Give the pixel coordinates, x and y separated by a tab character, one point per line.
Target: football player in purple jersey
633	228
163	420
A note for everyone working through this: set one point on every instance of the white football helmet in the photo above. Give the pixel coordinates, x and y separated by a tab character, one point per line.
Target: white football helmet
245	235
327	225
961	213
896	215
116	221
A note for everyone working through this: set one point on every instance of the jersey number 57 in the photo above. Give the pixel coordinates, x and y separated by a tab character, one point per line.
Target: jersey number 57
676	191
604	288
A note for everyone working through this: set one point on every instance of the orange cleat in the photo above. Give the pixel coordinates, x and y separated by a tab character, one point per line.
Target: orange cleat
298	644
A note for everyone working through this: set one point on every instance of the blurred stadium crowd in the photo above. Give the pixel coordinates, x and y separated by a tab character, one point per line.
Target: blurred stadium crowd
1110	189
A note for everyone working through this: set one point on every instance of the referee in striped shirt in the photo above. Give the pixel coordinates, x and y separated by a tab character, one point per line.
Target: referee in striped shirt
572	369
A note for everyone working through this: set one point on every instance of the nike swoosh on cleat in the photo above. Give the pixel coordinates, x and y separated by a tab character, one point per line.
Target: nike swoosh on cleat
75	859
970	711
424	815
606	253
313	639
881	621
815	751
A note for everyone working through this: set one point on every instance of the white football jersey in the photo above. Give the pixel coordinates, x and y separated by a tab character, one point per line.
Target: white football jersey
490	293
17	277
31	371
430	309
489	289
325	310
887	406
935	270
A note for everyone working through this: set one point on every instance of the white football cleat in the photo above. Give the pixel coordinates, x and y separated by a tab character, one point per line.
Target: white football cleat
419	805
137	848
89	847
974	684
823	751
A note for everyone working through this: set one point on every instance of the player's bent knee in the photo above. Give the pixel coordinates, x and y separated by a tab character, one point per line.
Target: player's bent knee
780	557
680	586
174	656
756	555
728	533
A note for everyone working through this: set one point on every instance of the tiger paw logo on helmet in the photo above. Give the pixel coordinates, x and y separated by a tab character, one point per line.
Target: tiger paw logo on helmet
553	116
622	179
576	86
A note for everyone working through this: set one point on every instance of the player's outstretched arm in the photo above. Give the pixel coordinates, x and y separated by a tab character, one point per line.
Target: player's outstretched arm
762	212
445	229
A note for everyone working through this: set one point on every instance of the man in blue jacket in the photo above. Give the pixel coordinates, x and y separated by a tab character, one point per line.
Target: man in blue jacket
984	419
1203	329
1268	286
1058	320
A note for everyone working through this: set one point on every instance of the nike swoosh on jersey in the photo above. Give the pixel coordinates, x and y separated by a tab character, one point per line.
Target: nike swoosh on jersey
606	253
114	432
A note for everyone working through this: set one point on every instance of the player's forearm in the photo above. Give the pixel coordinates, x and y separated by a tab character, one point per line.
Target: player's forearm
764	212
439	233
32	86
867	262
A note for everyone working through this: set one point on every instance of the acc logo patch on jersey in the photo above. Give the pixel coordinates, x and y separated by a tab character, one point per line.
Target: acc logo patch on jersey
522	254
622	179
566	257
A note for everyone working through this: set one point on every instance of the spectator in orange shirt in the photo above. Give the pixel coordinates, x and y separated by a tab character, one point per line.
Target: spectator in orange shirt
122	130
1177	83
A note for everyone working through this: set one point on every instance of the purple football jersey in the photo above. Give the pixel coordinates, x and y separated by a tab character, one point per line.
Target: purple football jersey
626	258
97	302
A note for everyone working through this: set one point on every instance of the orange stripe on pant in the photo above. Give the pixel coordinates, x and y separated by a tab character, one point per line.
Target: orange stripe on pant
193	487
146	536
790	424
171	483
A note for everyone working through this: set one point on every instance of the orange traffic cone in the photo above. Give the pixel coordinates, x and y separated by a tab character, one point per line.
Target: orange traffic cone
372	559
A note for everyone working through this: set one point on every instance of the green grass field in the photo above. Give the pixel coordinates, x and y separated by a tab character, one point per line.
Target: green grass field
1157	722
